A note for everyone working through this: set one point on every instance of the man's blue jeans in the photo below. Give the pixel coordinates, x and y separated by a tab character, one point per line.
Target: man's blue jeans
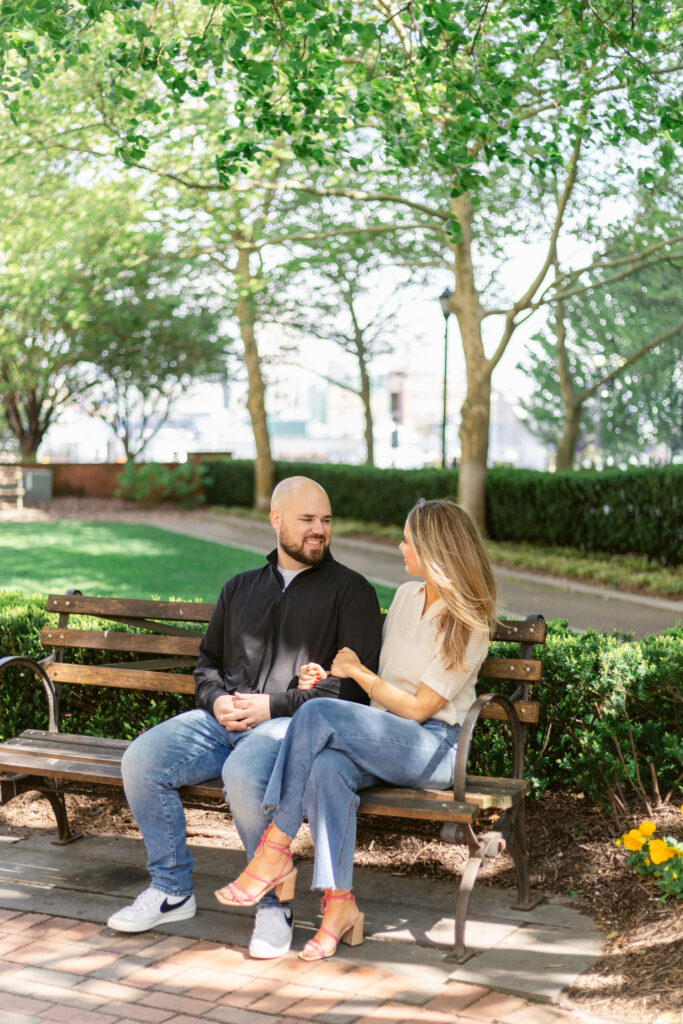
332	749
188	749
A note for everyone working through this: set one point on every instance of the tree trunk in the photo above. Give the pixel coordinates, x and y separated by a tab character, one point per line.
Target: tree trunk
365	395
566	446
264	469
476	409
474	446
573	406
25	423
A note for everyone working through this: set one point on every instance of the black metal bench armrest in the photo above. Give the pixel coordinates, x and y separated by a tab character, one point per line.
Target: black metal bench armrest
38	669
465	739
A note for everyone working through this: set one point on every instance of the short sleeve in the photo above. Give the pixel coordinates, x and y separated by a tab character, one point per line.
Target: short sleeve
448	682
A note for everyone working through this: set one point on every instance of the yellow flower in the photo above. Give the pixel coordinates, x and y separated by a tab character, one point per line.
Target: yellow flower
618	842
634	839
647	828
659	851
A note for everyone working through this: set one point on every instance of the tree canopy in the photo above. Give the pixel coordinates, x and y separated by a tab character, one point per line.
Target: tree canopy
432	110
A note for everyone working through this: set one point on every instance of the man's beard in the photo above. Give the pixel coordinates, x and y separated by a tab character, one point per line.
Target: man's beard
299	554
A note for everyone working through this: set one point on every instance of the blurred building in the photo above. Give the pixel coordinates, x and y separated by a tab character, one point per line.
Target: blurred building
310	419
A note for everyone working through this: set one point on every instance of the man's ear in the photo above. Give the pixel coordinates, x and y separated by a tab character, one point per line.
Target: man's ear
275	519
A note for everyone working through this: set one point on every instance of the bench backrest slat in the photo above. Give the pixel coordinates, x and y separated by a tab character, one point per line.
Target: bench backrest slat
527	710
124	678
106	607
511	668
520	631
111	640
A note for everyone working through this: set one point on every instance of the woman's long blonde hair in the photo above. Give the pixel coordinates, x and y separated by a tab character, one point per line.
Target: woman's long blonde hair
450	550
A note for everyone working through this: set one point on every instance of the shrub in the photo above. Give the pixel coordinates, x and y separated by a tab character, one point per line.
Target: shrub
637	511
611	707
150	483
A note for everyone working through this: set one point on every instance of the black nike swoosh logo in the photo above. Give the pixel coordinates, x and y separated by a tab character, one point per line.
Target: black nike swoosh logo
166	906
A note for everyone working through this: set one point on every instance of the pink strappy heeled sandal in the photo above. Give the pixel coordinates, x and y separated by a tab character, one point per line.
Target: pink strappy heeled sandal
352	936
233	895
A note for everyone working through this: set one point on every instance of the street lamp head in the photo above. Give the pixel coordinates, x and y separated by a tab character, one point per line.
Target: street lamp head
443	299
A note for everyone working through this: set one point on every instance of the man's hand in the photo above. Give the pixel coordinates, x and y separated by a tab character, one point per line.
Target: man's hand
224	713
248	710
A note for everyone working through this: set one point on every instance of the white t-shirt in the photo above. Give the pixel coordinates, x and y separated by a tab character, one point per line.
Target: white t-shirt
288	575
411	654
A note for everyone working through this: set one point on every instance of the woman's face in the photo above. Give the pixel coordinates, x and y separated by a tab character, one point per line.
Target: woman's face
413	567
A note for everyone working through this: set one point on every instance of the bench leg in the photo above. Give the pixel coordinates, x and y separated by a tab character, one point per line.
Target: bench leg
15	785
513	826
480	849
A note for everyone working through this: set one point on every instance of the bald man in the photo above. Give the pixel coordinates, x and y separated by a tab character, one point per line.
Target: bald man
301	606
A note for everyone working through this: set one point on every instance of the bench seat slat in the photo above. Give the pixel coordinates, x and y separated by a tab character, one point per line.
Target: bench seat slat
127	678
174	611
396	802
73	739
60	767
111	640
44	749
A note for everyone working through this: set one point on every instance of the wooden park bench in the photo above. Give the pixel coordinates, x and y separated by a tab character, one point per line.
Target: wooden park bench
12	485
51	762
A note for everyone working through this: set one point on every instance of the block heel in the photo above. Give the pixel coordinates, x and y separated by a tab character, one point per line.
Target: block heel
284	890
354	936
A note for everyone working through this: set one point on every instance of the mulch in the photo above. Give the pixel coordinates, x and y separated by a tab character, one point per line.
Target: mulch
573	856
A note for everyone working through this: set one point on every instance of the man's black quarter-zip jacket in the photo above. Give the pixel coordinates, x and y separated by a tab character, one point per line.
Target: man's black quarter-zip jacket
259	634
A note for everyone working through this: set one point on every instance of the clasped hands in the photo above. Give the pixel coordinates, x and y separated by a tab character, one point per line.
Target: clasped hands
238	712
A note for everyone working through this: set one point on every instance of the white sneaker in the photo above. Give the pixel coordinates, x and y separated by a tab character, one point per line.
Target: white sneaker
272	934
152	907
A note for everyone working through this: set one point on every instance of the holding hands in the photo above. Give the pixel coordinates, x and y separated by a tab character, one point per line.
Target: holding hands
311	674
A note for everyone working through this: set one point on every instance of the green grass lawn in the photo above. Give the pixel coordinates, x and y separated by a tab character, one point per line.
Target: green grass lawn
120	560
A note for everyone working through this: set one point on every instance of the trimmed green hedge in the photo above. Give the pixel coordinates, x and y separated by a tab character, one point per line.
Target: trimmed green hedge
636	511
596	688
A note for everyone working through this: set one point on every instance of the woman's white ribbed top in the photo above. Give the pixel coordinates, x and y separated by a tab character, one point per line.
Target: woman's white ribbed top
411	653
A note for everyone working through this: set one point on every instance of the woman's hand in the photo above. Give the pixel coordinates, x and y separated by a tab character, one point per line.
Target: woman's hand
345	663
311	674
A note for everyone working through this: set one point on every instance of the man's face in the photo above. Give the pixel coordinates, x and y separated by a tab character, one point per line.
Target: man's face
304	529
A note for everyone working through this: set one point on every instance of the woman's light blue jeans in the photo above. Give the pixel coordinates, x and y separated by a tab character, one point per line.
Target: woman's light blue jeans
332	749
183	751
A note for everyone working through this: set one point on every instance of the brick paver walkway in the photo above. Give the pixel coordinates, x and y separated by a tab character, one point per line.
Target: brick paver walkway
69	972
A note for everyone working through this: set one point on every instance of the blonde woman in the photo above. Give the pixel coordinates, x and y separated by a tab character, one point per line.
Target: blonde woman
435	639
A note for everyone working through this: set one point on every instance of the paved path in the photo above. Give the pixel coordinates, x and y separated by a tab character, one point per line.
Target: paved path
59	962
586	607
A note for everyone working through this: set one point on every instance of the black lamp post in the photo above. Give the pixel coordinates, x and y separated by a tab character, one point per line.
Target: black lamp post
445	309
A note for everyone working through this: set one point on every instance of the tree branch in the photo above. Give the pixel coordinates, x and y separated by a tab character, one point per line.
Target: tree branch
613	374
527	298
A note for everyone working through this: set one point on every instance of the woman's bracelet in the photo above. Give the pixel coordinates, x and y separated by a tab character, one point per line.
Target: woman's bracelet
374	680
